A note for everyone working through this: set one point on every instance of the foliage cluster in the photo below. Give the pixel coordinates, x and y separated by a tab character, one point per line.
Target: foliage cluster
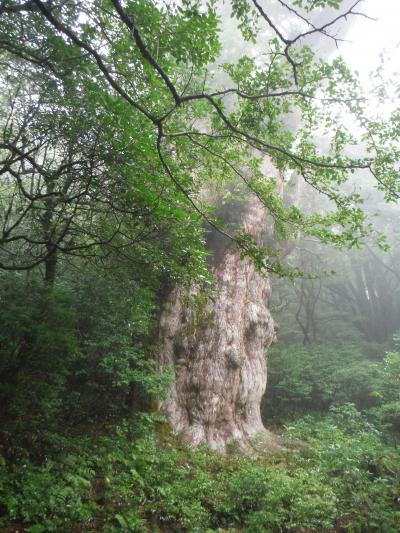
337	475
115	116
306	379
72	356
312	379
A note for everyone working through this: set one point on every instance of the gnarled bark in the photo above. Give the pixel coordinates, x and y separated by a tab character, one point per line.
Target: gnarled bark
218	355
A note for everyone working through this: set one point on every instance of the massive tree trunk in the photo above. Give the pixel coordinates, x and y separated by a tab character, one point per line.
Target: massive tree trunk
218	350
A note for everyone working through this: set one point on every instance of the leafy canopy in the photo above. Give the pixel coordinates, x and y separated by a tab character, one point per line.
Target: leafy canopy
134	111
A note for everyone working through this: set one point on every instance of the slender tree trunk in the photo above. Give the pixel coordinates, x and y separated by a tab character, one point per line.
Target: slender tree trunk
50	265
218	355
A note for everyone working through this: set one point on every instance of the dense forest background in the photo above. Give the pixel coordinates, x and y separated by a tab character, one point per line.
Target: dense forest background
132	136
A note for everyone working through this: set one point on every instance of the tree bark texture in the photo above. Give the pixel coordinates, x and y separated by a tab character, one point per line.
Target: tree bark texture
218	353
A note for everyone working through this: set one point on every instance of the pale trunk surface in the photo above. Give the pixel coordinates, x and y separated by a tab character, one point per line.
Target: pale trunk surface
219	355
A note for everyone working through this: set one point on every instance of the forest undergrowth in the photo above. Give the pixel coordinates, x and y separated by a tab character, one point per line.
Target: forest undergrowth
344	477
74	458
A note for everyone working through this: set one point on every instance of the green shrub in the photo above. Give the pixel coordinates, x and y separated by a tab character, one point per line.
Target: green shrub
310	379
388	393
341	477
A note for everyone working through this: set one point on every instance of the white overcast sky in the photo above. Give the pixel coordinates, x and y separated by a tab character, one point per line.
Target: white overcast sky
370	38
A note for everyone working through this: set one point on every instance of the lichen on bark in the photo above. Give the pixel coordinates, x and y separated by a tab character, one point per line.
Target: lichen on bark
219	359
